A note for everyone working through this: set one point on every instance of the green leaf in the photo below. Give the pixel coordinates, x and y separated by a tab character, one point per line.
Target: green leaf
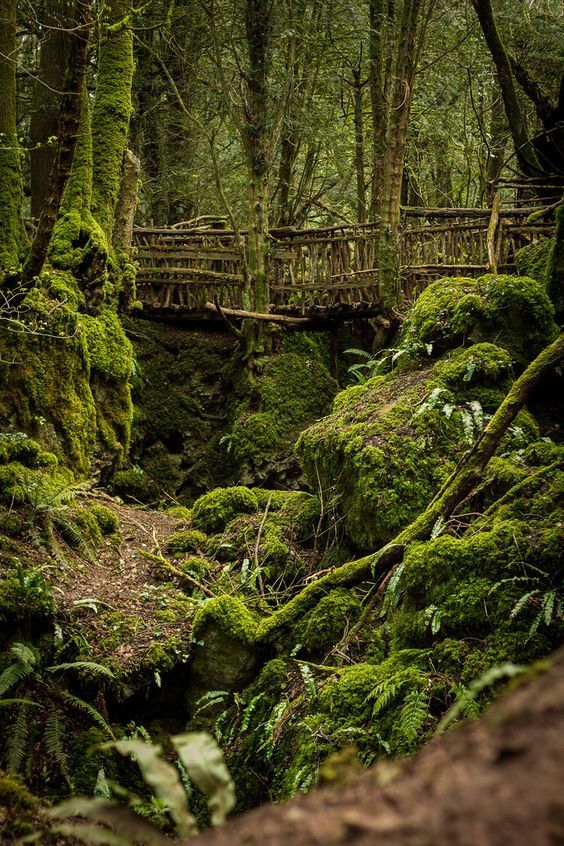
203	761
163	778
470	368
489	678
129	828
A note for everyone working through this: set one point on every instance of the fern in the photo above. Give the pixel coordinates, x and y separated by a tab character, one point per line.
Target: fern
55	729
13	675
83	667
88	709
308	680
413	714
385	692
470	694
249	709
17	742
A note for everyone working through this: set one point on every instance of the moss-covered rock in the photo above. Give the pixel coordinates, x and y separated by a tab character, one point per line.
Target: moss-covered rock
532	261
324	625
293	390
213	511
107	520
391	443
513	310
190	540
25	597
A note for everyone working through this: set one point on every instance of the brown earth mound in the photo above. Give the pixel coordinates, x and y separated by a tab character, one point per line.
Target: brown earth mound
496	782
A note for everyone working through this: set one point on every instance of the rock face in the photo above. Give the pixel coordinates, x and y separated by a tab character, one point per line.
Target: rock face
390	443
200	424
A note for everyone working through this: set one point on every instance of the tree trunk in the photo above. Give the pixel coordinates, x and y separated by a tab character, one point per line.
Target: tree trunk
524	151
47	97
359	145
68	128
455	490
127	203
11	231
388	248
258	33
111	111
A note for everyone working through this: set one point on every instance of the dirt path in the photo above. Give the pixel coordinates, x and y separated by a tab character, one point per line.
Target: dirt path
497	782
120	594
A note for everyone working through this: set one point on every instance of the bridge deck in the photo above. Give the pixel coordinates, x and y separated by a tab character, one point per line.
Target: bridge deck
329	271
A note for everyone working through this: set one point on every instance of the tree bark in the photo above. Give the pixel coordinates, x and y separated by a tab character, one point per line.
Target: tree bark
127	203
11	239
68	127
455	490
525	153
111	111
47	97
388	248
359	144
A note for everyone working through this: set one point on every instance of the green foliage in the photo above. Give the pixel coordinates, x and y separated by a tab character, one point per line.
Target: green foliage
199	760
187	541
514	310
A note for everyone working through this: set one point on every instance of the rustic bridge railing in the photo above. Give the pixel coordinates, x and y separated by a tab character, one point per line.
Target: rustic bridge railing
329	270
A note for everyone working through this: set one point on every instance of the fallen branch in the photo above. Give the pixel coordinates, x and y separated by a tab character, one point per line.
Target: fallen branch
256	315
457	487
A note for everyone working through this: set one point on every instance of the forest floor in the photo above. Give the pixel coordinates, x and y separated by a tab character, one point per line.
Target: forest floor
115	597
495	782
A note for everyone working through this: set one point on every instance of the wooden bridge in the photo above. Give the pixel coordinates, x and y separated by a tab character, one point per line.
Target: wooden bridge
325	272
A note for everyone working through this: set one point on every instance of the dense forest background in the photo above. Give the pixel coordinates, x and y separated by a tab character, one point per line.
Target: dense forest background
313	540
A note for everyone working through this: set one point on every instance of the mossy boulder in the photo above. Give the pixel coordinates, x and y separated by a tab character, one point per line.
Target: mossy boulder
225	653
190	540
389	444
25	598
325	625
514	310
107	520
533	260
293	390
212	512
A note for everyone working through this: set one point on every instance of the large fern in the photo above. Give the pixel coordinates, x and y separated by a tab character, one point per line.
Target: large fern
17	741
54	733
86	708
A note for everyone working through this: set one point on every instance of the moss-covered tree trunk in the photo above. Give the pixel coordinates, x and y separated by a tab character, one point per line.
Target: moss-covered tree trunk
68	127
258	33
388	248
112	110
10	166
47	95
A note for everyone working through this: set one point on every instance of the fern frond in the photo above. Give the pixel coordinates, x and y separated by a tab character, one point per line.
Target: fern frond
13	675
55	728
248	712
82	666
88	709
385	692
413	714
23	653
17	742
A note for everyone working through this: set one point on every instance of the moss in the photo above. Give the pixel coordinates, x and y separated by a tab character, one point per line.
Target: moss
324	625
387	448
179	512
555	268
292	391
213	511
18	806
25	597
162	657
532	261
88	525
133	483
190	540
111	110
229	615
195	566
514	310
108	520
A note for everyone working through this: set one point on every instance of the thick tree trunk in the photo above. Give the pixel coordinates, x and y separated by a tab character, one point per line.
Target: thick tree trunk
10	168
516	119
111	111
455	490
68	128
47	97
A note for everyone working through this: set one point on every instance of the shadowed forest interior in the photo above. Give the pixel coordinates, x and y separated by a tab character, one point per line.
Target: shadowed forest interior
281	460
